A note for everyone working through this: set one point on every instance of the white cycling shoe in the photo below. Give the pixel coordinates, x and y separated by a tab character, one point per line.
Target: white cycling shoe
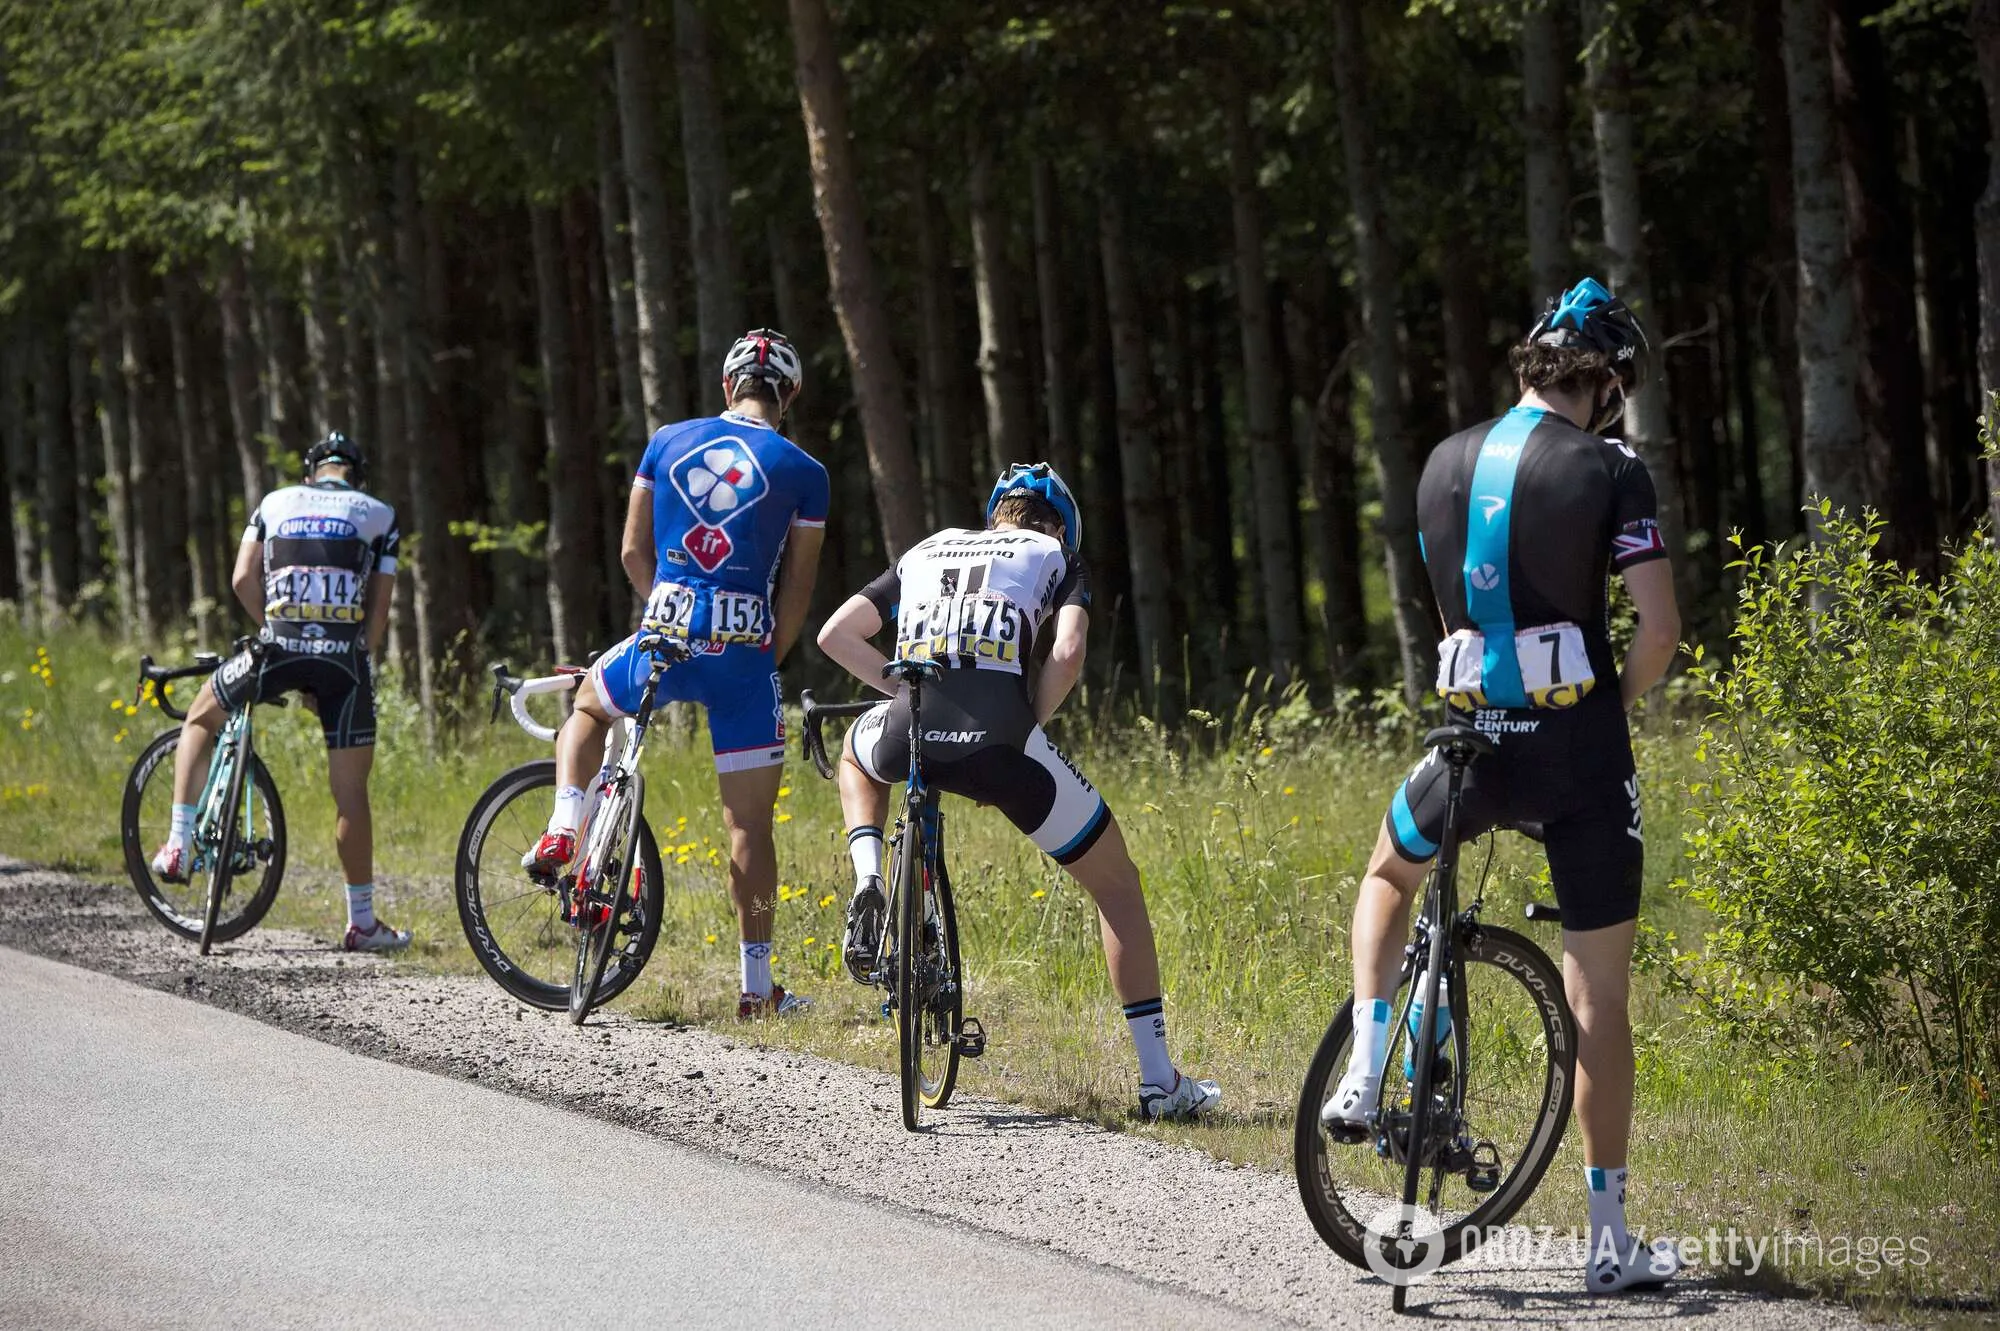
380	938
1187	1099
1642	1267
170	865
1345	1116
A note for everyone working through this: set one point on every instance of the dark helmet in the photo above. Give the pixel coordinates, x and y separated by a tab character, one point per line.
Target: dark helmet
1591	318
766	354
337	447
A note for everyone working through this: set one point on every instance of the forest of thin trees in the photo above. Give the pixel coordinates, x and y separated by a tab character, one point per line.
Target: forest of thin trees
1233	270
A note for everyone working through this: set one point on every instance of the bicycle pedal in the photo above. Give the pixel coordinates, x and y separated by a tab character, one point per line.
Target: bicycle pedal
1482	1172
971	1038
1343	1133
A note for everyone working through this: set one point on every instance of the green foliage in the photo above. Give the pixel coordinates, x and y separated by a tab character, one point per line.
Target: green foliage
1848	833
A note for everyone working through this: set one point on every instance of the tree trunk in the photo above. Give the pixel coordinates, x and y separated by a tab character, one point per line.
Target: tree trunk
1002	367
1943	276
196	467
326	382
1049	297
1829	352
1263	404
89	464
662	376
718	275
284	388
1395	467
1774	150
441	475
1468	356
1145	500
149	541
114	423
396	420
17	435
1648	421
1545	70
633	433
950	446
571	482
1218	536
1750	515
240	355
1883	251
857	298
1985	28
1103	477
55	474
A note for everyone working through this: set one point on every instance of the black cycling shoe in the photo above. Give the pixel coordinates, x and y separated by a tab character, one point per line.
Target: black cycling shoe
863	939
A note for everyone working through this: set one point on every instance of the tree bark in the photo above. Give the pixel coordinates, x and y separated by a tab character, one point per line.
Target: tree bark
17	435
55	474
1945	272
397	403
1883	250
950	443
1049	299
149	540
1985	29
1829	352
633	433
569	477
1468	356
857	298
1002	367
1750	515
1774	149
441	471
663	378
88	466
718	274
326	386
200	537
114	423
1375	264
1263	404
1545	70
284	386
1145	501
240	357
1648	420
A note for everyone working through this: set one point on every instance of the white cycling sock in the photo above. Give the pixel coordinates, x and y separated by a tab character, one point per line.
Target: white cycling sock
1608	1239
1371	1038
183	825
864	847
1148	1023
757	969
361	906
569	809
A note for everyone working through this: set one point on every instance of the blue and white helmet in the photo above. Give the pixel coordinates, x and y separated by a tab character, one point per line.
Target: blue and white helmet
1589	317
1040	479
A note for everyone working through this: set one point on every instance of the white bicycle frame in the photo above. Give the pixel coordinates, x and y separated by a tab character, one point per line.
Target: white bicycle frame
618	756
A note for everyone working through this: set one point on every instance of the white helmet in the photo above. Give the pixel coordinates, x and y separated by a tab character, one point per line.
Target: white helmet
764	353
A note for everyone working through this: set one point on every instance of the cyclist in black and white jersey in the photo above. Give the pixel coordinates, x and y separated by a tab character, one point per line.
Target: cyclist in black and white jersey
981	604
316	571
1522	520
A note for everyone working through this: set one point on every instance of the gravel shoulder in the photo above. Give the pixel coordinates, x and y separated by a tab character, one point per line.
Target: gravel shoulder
1119	1199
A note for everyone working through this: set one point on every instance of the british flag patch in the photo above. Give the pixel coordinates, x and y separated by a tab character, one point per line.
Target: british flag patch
1639	540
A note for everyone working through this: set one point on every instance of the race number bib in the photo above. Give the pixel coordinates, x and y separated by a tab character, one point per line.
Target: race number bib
976	628
313	596
676	611
1555	668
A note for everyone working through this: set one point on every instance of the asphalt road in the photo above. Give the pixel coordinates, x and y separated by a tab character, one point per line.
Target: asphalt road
164	1162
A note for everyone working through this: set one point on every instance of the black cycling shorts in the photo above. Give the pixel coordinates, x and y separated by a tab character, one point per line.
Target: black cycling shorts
342	684
981	741
1569	782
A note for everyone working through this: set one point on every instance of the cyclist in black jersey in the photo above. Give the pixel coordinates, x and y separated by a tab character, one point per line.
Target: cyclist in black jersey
316	570
1522	519
979	603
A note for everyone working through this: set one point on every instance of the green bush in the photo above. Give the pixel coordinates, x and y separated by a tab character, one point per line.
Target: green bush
1846	829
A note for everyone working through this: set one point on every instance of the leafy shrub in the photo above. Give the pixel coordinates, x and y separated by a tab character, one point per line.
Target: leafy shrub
1846	835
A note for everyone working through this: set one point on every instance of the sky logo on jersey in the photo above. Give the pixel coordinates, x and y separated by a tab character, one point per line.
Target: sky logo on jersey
312	527
719	481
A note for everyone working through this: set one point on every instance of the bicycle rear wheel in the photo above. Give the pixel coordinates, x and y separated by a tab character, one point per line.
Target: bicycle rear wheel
603	911
515	925
222	865
259	860
941	987
1516	1050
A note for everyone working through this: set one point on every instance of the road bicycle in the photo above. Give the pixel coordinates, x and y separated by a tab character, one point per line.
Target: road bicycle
576	940
1457	1143
917	958
239	827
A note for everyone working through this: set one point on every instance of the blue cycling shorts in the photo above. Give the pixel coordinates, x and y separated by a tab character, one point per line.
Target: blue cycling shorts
737	685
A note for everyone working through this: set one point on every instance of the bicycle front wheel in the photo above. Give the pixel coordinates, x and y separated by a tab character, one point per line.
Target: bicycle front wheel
514	924
258	862
942	989
1519	1055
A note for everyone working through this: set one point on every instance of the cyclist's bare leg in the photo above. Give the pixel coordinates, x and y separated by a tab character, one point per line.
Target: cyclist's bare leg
748	798
1597	973
198	732
1107	872
864	801
354	826
580	742
1382	919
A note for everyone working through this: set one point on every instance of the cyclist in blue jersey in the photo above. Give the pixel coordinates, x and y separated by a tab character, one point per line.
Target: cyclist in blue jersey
722	539
1522	519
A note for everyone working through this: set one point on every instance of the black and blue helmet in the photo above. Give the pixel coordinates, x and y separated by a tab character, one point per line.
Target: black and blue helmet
1040	479
1592	319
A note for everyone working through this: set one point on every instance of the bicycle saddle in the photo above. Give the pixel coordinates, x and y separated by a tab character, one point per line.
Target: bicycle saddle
1458	736
909	668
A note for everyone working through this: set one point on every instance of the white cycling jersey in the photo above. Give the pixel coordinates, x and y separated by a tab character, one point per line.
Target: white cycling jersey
966	598
322	541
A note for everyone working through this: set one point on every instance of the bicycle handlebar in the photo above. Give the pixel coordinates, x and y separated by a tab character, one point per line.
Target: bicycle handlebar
517	691
812	741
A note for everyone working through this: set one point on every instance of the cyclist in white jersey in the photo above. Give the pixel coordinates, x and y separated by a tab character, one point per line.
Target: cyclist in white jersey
979	603
316	570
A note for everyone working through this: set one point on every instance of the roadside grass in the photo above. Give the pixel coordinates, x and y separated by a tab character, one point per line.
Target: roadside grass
1251	855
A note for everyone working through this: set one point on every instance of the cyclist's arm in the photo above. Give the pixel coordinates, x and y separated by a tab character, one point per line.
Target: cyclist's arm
248	580
381	591
1065	664
844	638
1651	585
637	552
796	576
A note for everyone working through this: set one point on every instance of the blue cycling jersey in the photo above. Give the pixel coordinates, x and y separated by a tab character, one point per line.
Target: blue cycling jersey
727	491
